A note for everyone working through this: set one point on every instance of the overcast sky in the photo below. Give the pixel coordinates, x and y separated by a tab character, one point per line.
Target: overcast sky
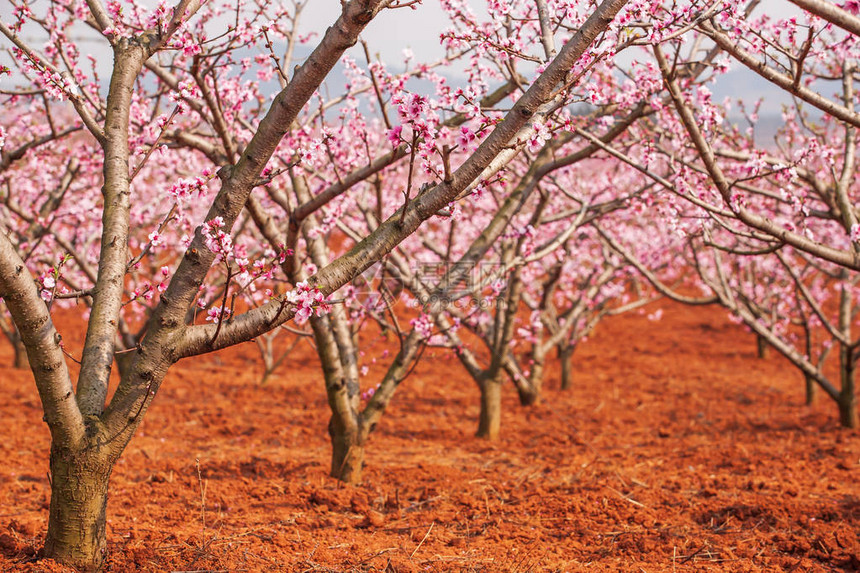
419	30
391	31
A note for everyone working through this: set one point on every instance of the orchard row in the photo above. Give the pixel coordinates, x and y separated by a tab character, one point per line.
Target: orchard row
230	177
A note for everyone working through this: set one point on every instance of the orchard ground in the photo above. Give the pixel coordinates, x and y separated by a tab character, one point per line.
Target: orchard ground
677	450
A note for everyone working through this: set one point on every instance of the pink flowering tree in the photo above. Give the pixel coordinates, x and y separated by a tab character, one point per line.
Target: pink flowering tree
792	206
23	144
192	53
586	283
523	248
336	192
797	306
536	240
489	228
771	230
548	286
351	198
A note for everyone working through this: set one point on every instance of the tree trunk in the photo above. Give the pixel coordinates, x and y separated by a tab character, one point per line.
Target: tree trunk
847	397
762	346
124	360
811	387
491	409
530	393
565	356
22	362
347	455
848	410
76	523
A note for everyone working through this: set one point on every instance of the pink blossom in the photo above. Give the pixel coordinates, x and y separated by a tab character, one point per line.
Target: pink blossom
307	299
466	136
217	314
217	240
394	135
423	325
368	394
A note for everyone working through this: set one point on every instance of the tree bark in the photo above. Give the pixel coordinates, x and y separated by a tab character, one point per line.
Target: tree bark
338	355
22	362
76	523
565	356
347	454
491	409
848	410
810	389
847	401
530	394
762	346
124	362
527	389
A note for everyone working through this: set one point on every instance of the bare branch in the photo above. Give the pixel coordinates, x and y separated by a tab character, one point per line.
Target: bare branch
651	277
546	36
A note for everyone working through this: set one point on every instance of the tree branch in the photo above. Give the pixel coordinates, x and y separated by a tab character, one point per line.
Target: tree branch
42	341
850	260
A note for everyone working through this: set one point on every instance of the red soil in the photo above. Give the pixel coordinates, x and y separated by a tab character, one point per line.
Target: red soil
677	450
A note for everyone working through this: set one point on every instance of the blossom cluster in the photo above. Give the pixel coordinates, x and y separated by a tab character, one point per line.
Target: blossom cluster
307	299
217	239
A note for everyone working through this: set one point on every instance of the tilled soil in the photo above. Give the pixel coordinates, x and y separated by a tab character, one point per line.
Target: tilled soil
677	450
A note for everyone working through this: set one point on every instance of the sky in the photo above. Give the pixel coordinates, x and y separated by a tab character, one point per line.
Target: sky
388	34
391	31
418	30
